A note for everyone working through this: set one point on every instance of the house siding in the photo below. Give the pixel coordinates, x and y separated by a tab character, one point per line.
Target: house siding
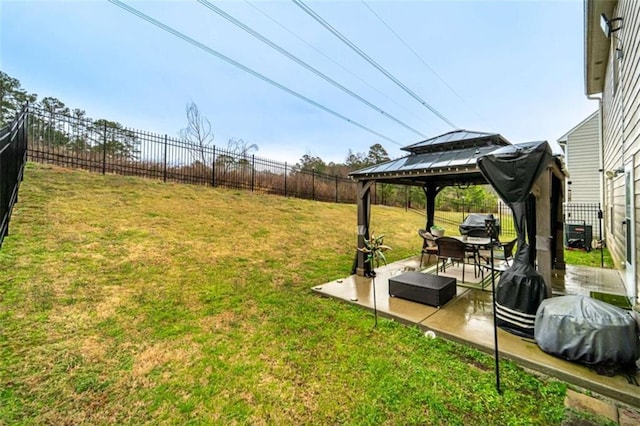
621	119
582	147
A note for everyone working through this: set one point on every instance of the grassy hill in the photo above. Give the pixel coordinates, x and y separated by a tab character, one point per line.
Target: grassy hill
125	300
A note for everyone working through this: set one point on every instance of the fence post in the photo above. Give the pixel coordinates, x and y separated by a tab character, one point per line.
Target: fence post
406	198
27	131
336	189
285	178
165	158
500	207
375	192
462	208
213	168
253	171
313	183
600	243
104	149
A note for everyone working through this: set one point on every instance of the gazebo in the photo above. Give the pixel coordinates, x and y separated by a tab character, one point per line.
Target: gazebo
451	159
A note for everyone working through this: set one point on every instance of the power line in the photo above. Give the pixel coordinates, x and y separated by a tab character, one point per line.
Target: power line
342	67
244	68
442	80
367	58
300	62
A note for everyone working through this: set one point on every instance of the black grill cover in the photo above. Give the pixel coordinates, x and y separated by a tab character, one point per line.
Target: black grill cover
579	328
518	295
476	221
512	171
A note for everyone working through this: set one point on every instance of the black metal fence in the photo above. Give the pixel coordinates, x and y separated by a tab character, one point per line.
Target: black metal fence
107	147
13	155
585	218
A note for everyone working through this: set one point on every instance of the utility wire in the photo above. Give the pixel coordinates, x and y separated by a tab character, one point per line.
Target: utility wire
367	58
320	52
244	68
300	62
442	80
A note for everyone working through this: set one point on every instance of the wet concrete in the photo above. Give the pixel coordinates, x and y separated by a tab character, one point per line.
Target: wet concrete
583	280
468	319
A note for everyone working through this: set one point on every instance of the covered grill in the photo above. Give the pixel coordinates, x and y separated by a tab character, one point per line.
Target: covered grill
476	221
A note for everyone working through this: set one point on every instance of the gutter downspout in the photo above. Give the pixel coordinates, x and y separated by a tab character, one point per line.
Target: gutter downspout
601	153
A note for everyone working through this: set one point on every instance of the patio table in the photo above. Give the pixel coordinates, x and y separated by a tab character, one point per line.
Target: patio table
474	243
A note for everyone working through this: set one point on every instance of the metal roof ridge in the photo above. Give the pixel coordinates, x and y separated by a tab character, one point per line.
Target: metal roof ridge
476	135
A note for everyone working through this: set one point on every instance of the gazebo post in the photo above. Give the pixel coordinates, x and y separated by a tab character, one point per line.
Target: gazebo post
558	224
542	192
364	213
430	192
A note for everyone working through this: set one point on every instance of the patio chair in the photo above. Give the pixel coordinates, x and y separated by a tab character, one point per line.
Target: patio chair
506	251
450	248
429	246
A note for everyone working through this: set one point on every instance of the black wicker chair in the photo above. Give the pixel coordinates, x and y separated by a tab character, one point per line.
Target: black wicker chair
506	251
450	248
429	246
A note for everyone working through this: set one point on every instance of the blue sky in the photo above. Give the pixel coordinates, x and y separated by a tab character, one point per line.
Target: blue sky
516	68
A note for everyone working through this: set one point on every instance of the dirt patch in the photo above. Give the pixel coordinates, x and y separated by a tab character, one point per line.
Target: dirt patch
159	355
93	349
221	321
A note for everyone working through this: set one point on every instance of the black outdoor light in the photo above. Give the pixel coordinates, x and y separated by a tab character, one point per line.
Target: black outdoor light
607	25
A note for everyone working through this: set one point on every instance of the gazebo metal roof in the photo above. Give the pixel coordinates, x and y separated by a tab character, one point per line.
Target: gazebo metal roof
449	159
456	139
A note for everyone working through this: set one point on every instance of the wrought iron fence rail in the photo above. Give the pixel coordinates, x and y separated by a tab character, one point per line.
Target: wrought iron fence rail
589	214
105	147
13	148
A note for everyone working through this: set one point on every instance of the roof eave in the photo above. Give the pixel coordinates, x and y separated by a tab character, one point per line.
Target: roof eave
596	44
441	171
563	138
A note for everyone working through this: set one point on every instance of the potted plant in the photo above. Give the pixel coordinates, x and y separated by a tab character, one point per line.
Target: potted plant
374	249
437	231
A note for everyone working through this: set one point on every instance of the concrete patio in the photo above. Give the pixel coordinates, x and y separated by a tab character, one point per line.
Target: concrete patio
468	319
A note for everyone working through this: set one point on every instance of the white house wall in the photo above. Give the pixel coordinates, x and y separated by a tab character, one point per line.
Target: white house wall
621	118
582	154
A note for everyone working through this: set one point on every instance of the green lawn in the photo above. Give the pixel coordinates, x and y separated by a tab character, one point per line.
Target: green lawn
592	258
125	300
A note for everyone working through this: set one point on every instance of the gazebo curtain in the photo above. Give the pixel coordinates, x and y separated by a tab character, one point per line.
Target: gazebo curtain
512	171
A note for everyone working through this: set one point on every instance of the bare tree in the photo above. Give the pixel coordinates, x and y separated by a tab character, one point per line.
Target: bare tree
198	133
240	150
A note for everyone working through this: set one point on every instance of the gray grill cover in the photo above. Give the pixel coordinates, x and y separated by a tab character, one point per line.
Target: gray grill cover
579	328
476	221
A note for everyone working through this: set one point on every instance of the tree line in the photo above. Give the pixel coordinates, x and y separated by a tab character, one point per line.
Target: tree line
111	138
86	134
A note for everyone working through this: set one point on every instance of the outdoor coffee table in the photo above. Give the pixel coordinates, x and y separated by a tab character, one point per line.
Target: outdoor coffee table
434	290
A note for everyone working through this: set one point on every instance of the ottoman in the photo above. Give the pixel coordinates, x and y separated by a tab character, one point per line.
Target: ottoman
428	289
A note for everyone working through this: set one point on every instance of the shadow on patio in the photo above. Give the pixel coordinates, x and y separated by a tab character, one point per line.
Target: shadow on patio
468	319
